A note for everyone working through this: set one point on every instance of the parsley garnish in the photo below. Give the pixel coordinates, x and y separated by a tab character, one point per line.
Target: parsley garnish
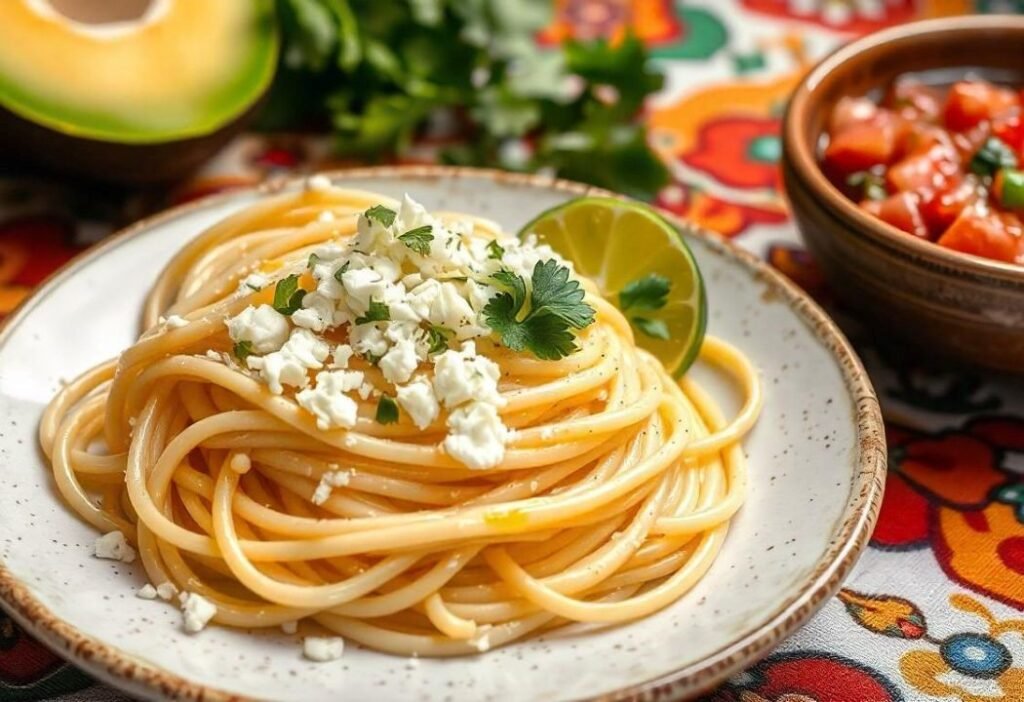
379	213
652	327
313	260
376	312
387	410
288	295
647	293
556	307
437	338
495	250
341	271
418	239
242	350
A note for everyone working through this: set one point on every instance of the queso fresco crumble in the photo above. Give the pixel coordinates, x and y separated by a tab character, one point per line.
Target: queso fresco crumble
414	295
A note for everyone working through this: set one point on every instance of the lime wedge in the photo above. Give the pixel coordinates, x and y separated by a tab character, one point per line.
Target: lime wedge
641	264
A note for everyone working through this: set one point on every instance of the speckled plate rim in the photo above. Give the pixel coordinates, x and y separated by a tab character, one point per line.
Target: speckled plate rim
133	675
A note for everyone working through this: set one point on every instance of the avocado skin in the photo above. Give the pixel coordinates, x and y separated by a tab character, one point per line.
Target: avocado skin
113	162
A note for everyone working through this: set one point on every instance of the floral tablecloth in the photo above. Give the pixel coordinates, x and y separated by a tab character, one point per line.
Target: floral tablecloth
933	610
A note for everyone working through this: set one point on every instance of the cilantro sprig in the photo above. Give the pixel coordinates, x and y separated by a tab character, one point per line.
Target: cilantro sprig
650	294
376	311
378	74
495	250
387	410
418	239
381	214
437	339
542	320
288	295
242	349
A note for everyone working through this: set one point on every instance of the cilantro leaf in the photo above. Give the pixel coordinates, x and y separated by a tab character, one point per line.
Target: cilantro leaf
381	214
654	328
242	350
288	295
554	292
437	339
387	410
341	271
556	309
513	283
495	250
376	312
312	261
418	239
647	293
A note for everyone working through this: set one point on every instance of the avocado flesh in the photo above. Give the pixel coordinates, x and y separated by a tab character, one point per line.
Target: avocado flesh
182	71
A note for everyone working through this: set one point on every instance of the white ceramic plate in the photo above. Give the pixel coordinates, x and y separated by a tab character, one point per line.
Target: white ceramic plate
816	462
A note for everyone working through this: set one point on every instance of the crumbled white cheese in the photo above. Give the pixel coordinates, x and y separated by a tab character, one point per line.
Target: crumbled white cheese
477	436
290	628
323	648
176	322
482	640
365	390
327	400
254	282
328	481
342	354
362	286
451	310
318	312
304	351
368	340
263	327
114	546
196	611
461	376
398	364
167	590
146	592
418	401
318	183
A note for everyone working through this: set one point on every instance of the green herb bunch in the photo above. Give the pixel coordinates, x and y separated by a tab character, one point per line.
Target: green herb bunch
385	71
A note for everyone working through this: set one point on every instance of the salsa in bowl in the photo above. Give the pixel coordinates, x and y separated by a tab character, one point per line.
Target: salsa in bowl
911	218
942	163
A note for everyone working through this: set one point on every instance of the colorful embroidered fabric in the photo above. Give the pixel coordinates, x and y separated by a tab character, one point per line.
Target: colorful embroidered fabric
933	610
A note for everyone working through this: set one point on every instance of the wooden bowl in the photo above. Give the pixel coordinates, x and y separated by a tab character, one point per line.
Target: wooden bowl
954	305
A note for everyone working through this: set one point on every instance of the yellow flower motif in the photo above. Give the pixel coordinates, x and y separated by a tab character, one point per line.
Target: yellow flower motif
970	667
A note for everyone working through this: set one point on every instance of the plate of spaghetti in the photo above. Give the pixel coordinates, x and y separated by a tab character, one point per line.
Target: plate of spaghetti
426	433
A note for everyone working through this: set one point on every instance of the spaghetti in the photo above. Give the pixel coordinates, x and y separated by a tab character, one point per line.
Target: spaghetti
611	498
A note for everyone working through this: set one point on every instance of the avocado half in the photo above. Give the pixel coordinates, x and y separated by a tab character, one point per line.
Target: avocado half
130	91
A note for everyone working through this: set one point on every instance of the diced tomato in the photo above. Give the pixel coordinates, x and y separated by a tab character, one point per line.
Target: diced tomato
970	102
849	111
942	207
984	233
860	146
967	143
914	100
929	169
920	137
902	211
1011	130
